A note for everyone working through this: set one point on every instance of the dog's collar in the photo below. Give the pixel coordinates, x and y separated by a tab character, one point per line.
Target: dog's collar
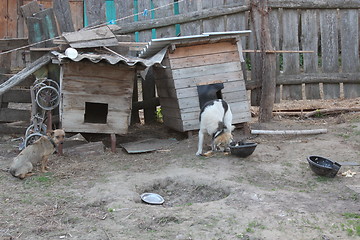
52	142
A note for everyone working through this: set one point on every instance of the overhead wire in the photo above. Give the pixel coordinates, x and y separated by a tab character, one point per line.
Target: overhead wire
91	27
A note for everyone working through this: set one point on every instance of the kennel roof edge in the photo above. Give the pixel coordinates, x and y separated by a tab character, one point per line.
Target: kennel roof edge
155	45
115	59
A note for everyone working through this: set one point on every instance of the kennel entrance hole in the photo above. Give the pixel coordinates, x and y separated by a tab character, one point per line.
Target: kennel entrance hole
184	191
209	92
96	112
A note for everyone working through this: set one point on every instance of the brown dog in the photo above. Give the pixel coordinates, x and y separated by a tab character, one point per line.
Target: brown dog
38	152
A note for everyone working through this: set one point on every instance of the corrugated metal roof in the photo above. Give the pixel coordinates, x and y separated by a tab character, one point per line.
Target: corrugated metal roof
155	45
114	59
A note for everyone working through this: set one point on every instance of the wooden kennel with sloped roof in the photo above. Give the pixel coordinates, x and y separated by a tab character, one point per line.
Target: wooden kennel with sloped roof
198	69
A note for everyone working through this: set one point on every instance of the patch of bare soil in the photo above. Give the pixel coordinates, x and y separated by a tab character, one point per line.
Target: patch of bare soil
271	194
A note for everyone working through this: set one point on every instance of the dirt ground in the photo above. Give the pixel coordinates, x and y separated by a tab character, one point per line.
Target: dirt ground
271	194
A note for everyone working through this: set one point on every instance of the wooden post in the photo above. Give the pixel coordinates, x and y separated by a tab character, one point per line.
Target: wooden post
33	106
260	19
49	122
113	142
23	74
148	87
135	98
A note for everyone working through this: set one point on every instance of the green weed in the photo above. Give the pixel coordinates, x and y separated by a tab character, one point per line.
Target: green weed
159	115
352	225
43	180
253	225
344	135
322	179
318	114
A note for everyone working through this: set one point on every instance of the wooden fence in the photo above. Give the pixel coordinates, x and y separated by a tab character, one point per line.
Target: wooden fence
329	28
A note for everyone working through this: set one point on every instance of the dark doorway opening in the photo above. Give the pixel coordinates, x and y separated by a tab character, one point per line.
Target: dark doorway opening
96	112
209	92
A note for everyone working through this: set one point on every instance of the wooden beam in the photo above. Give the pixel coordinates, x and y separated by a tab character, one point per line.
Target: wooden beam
95	37
7	128
310	78
181	18
331	111
314	4
276	51
319	78
13	115
45	49
17	96
289	132
20	76
11	43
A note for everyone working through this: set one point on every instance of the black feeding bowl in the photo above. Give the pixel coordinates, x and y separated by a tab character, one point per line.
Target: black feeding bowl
242	149
323	166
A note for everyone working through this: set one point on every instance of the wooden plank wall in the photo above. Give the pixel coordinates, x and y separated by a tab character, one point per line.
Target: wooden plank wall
96	83
329	28
196	65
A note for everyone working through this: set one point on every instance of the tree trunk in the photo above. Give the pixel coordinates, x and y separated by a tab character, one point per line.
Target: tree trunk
267	74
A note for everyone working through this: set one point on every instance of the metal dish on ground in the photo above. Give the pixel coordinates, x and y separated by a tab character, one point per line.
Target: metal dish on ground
323	166
152	198
242	149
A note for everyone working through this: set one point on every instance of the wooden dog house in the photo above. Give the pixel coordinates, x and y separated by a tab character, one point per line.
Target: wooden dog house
97	92
199	68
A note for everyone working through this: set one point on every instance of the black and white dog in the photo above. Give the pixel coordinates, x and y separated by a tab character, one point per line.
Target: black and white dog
215	120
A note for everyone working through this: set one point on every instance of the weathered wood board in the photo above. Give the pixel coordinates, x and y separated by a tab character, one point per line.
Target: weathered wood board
95	12
29	9
291	60
214	25
349	32
48	24
194	65
310	42
101	36
329	49
100	83
13	115
36	31
62	11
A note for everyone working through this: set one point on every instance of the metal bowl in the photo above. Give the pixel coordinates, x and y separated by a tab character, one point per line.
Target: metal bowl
323	166
152	198
242	149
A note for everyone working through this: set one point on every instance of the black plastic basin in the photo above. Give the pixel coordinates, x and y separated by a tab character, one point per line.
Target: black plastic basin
323	166
242	149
